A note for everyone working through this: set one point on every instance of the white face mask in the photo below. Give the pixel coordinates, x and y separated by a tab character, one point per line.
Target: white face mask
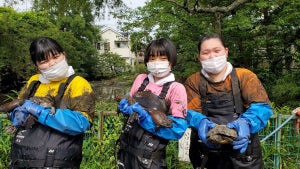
214	65
56	72
159	68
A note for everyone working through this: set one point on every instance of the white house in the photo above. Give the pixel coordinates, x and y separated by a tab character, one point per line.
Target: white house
116	42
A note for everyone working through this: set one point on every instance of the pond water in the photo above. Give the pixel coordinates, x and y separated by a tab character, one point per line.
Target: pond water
108	92
102	91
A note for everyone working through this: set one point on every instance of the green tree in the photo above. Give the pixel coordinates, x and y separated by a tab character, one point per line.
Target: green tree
18	29
111	65
262	35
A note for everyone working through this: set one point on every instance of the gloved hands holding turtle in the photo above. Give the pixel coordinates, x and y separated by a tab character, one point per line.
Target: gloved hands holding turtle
221	134
241	125
141	105
18	116
204	127
125	107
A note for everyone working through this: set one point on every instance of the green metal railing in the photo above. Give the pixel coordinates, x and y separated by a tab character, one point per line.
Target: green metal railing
281	149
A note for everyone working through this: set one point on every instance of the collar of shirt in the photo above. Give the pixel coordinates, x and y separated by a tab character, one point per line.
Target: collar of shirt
169	78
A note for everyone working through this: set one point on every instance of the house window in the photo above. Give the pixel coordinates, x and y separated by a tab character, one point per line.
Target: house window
121	44
107	46
98	46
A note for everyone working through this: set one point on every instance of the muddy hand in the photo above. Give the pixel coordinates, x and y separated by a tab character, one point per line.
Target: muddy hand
296	111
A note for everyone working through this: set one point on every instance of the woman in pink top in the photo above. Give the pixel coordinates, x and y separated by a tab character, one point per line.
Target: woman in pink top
143	141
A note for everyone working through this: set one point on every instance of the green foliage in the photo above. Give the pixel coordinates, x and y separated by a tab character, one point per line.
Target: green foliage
287	87
172	157
262	36
110	65
20	29
4	143
140	68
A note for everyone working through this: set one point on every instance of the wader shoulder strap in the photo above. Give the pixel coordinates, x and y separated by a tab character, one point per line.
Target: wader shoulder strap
62	88
235	85
164	90
203	89
144	84
33	86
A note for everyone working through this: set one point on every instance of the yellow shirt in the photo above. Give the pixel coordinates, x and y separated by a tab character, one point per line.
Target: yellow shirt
78	96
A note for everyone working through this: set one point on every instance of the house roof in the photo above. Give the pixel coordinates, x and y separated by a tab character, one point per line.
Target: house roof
109	28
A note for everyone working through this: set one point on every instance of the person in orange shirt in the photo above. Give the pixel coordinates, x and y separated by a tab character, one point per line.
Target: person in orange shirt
222	95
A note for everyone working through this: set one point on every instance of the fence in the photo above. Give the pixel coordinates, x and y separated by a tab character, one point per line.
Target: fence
280	150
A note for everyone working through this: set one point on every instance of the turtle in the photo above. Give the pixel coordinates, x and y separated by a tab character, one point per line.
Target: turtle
221	134
155	106
31	120
10	106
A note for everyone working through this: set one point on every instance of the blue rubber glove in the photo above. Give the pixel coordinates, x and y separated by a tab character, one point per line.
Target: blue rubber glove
241	125
136	107
34	108
124	107
18	116
204	126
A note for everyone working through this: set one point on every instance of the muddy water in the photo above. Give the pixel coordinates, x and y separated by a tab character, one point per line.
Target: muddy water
108	92
103	92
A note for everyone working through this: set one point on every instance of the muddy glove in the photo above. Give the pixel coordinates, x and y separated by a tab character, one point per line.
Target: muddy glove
204	127
35	109
124	107
241	125
18	116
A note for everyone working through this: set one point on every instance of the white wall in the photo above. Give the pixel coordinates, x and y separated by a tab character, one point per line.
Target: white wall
111	36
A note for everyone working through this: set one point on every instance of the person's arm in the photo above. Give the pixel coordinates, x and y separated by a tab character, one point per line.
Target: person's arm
64	120
193	92
254	119
177	98
179	125
257	116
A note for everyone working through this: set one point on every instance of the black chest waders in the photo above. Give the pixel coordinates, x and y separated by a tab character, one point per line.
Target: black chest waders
138	148
41	147
222	108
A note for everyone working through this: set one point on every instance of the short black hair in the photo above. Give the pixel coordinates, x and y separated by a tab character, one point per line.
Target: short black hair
44	47
210	36
161	47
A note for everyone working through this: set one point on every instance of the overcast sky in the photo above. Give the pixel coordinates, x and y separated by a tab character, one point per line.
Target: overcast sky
109	21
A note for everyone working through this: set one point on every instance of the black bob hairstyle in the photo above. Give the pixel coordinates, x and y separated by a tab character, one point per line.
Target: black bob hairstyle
161	47
44	47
